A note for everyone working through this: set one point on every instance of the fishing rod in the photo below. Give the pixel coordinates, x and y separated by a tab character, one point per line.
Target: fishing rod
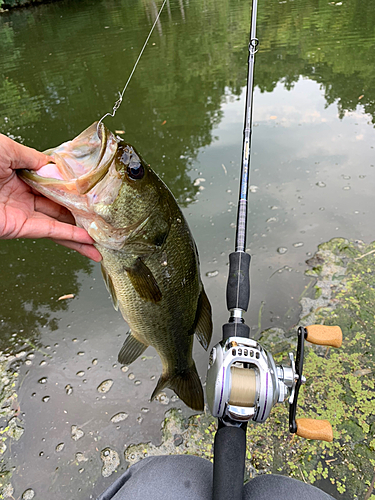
243	381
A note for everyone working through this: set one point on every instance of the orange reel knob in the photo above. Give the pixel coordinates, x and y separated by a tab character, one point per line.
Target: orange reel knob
310	428
324	335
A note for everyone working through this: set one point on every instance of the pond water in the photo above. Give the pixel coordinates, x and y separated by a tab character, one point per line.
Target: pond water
61	68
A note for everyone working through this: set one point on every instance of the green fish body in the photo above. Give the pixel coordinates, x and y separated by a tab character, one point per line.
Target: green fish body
150	262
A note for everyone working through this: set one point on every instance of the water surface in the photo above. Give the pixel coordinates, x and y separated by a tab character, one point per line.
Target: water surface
61	68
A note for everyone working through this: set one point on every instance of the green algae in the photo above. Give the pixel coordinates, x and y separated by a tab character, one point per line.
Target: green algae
340	386
179	437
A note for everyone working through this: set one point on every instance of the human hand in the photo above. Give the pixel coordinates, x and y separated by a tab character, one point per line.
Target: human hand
24	213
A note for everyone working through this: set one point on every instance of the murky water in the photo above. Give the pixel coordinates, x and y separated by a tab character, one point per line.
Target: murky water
61	66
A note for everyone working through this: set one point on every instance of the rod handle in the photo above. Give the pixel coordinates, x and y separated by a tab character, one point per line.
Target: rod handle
310	428
229	462
324	335
238	285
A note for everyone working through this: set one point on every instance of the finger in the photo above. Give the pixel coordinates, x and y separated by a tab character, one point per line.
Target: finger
87	250
20	156
41	226
53	210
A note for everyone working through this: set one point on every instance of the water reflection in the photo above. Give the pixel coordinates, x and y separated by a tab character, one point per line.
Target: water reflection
332	44
34	274
61	66
174	98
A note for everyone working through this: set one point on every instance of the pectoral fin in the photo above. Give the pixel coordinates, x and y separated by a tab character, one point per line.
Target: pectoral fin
131	350
143	281
111	289
203	320
186	384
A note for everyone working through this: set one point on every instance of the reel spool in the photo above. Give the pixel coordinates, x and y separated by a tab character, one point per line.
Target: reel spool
243	382
243	385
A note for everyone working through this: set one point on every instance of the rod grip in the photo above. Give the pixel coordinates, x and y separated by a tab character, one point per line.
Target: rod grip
238	286
324	335
309	428
229	463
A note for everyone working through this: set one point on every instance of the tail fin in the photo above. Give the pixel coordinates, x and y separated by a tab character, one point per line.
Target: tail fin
186	384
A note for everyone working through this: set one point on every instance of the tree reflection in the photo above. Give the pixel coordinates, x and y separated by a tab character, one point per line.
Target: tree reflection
34	274
332	44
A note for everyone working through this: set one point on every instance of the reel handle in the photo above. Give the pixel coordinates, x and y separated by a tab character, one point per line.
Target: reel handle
307	427
310	428
324	335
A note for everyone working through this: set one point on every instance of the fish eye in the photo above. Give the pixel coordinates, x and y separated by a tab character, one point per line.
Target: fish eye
135	170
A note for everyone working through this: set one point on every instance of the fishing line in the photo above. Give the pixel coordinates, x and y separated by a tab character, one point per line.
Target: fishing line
121	94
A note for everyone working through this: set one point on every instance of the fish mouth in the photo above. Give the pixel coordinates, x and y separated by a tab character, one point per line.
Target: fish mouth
76	166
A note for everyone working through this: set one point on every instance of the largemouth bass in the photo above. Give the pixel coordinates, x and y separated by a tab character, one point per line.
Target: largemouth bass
150	262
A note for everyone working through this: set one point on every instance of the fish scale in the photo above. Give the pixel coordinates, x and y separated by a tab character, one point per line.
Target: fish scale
180	287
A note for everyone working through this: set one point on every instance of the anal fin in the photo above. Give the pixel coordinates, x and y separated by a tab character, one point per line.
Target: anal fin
186	384
131	350
203	320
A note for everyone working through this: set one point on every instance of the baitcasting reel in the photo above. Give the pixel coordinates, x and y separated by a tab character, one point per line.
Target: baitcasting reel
243	382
